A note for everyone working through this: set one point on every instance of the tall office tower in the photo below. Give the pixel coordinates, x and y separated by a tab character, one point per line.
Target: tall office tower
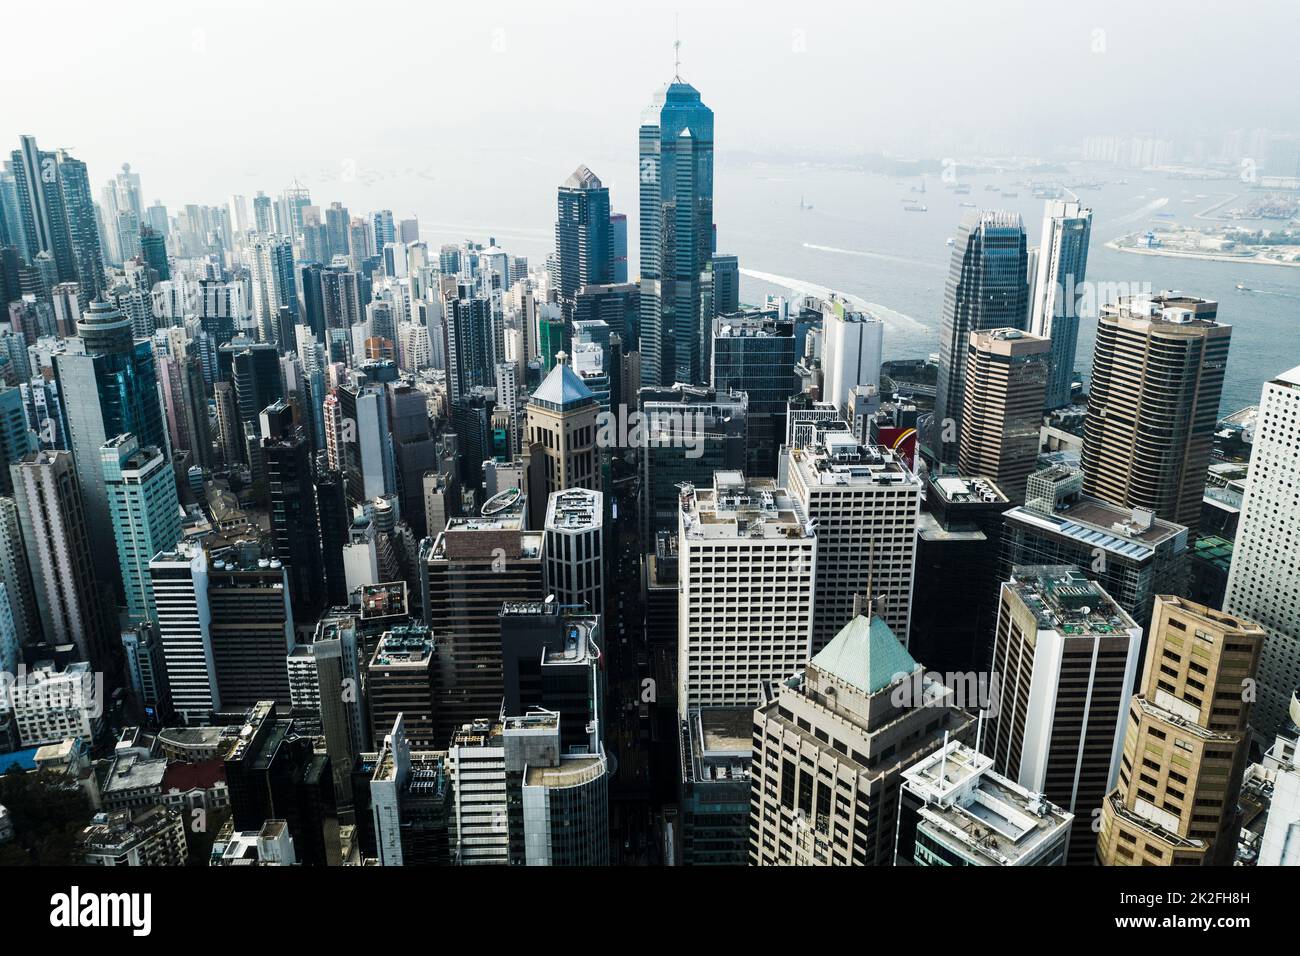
1002	411
986	289
57	539
584	251
475	341
562	435
1264	580
1065	658
295	530
367	453
864	503
250	625
335	653
146	672
274	773
384	230
403	680
109	388
16	575
337	220
573	550
687	434
42	216
271	268
335	519
409	793
180	602
230	430
954	810
518	799
958	552
830	745
1057	289
16	439
153	249
677	234
408	230
185	402
1187	742
1157	375
473	567
414	451
618	246
1131	553
83	227
753	352
747	564
263	216
618	305
253	369
142	504
551	659
851	352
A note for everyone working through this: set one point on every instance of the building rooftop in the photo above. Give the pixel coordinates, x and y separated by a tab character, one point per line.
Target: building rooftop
563	388
740	508
990	815
967	489
835	457
132	772
574	510
1063	599
1131	533
865	654
574	770
407	646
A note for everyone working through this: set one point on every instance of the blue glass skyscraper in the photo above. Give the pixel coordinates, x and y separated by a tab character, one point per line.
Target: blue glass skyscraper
676	176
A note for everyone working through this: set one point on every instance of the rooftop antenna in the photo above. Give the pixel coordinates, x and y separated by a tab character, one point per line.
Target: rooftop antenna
677	47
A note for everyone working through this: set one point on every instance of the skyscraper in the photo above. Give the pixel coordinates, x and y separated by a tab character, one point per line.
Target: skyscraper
747	562
1157	376
109	388
1002	412
987	288
41	211
851	352
54	530
583	239
1264	580
1187	742
141	489
864	503
831	743
295	530
677	234
1065	658
753	352
561	436
574	562
1058	280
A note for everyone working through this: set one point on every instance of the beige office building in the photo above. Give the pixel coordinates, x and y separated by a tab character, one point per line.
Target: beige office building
1006	382
1186	746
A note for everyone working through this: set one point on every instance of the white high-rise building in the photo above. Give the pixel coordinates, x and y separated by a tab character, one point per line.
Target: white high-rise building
180	602
864	503
853	344
573	563
747	558
1062	260
1264	580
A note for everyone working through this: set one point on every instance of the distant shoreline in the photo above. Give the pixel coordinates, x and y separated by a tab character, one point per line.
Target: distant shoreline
1204	256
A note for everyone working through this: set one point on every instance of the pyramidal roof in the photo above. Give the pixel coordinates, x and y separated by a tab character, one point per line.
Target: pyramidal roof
582	178
563	387
866	654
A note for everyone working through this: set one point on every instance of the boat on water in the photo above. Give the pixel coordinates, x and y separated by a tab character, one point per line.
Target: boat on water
990	188
962	190
968	205
804	205
951	241
917	208
1011	195
1242	287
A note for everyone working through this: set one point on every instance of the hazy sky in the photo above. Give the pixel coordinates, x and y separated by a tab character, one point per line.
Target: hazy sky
359	98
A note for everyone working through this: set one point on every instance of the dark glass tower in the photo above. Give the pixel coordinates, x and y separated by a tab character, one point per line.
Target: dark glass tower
584	251
676	174
987	288
295	530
